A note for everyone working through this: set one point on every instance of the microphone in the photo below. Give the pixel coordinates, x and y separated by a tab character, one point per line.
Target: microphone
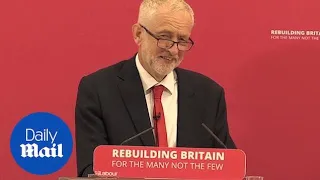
157	117
213	135
137	135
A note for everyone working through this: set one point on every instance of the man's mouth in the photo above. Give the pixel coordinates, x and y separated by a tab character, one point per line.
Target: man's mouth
166	58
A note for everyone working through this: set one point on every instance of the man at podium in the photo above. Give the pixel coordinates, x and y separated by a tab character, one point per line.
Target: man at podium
149	93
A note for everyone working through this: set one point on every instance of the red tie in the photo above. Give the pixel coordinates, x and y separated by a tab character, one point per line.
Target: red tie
159	121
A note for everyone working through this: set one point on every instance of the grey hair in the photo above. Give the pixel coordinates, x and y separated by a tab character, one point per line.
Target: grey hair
150	7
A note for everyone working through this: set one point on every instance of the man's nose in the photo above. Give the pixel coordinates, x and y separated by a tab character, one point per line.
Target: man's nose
174	49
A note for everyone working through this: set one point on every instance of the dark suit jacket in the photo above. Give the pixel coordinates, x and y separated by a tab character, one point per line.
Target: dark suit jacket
111	107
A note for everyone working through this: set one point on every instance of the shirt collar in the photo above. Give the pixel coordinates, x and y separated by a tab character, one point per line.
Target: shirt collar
148	81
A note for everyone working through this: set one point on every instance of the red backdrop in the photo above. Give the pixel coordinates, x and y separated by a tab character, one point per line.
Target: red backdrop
272	85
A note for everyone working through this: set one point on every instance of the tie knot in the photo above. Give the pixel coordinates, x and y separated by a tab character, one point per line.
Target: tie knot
157	91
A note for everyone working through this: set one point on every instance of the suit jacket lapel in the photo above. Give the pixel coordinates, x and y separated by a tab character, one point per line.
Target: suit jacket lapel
133	96
189	112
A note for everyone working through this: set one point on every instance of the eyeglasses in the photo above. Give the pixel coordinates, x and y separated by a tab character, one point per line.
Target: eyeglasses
167	43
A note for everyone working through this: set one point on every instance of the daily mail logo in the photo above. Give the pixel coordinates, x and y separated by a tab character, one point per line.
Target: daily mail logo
41	143
33	150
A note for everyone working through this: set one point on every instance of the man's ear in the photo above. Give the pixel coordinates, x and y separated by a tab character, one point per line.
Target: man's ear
137	33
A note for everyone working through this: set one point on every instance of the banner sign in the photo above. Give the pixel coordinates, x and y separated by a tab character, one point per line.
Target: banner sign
172	163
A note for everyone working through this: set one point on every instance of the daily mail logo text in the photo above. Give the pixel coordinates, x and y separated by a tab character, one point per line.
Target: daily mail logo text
33	150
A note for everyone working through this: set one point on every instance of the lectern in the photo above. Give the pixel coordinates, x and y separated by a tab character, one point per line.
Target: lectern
142	162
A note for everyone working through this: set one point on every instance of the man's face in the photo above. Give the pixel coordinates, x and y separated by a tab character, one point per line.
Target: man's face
175	26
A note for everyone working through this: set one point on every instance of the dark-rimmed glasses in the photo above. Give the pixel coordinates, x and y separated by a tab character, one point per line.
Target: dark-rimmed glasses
167	43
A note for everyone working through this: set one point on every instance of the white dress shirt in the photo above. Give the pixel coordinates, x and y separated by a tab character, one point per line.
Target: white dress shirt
169	100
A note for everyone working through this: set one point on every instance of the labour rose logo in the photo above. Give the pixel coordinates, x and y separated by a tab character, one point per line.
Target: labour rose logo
41	143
